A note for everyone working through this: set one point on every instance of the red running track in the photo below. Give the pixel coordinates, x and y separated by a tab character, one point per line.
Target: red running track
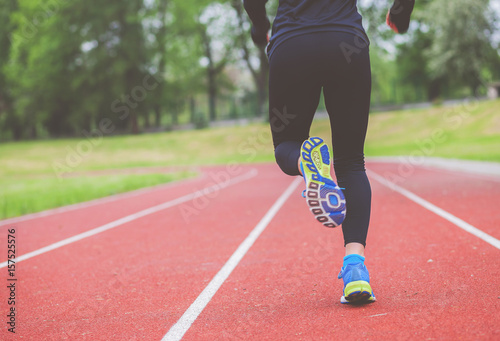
134	281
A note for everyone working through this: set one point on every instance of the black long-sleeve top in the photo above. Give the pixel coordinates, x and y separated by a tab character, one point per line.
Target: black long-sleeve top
296	17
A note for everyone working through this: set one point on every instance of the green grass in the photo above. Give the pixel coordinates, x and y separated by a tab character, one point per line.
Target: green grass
200	147
30	170
29	195
469	132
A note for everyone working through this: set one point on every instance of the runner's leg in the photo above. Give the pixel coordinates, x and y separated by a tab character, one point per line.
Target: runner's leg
294	93
347	100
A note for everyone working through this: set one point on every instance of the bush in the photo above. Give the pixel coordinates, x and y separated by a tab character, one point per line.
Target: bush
200	120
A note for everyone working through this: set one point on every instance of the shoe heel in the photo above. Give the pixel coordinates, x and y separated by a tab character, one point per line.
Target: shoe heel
358	291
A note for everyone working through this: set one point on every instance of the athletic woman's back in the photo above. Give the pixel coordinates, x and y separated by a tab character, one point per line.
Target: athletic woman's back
296	17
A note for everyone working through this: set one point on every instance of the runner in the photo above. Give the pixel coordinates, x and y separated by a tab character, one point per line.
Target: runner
321	45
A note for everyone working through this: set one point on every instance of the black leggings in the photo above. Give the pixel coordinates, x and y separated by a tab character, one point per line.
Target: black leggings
339	64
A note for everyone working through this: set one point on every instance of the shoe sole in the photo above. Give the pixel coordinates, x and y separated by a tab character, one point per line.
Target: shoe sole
358	292
324	198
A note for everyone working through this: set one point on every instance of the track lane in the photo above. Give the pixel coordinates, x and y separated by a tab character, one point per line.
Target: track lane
470	197
178	330
208	192
136	281
43	231
432	281
133	282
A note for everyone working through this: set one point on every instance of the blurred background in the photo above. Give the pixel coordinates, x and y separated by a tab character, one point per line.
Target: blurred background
104	97
156	65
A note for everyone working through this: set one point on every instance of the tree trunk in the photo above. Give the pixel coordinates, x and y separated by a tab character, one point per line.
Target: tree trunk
157	116
192	109
475	85
134	126
213	69
175	115
434	90
212	95
260	76
12	122
147	122
32	132
162	39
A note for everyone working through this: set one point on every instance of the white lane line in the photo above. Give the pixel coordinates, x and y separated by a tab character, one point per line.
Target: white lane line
439	211
377	315
178	330
484	168
90	203
135	216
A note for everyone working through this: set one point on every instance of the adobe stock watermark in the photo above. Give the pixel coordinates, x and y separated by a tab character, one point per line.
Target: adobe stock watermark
426	147
77	153
280	119
249	149
202	197
355	47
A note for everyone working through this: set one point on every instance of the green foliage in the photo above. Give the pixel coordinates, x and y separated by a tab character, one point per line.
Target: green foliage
449	47
69	66
461	47
384	77
70	61
200	120
74	64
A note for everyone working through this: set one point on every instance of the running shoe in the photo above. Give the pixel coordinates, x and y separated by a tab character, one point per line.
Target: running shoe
324	198
357	287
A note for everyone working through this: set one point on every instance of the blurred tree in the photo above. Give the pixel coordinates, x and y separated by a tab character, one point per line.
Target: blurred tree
255	57
8	119
217	27
67	66
374	12
175	51
81	62
461	40
412	60
412	68
114	59
384	72
157	23
40	69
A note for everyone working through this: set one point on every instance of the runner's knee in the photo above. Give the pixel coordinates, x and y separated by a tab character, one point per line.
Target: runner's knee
287	156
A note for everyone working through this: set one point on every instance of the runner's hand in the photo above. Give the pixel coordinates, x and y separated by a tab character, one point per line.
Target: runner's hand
398	17
260	35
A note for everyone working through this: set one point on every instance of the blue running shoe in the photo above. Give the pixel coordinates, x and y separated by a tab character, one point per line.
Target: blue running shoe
357	287
324	198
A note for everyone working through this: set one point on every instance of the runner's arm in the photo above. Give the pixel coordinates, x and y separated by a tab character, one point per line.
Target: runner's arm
256	10
398	17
